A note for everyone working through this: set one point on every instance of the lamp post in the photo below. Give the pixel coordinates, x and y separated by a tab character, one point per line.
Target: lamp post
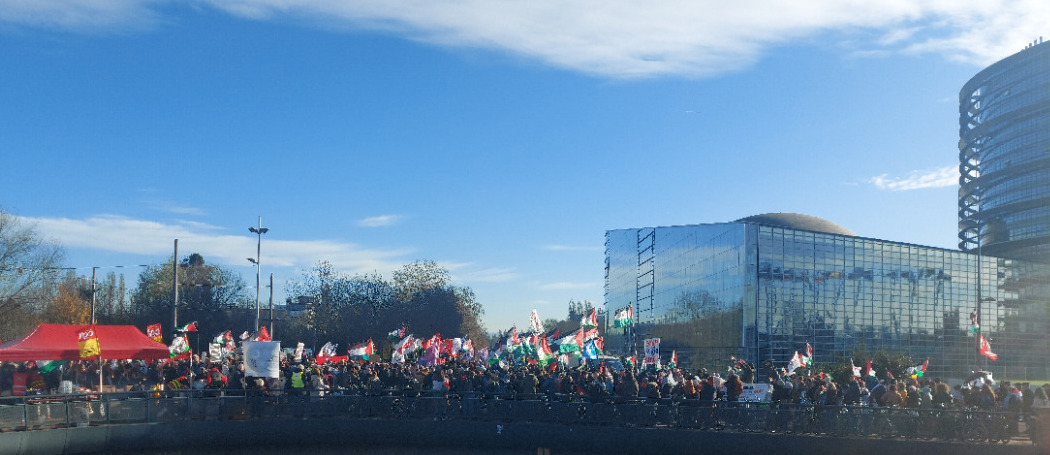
257	260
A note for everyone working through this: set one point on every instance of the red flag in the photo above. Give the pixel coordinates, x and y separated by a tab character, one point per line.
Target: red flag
986	349
154	331
264	335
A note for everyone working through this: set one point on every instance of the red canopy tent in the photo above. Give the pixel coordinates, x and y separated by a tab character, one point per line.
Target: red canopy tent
59	342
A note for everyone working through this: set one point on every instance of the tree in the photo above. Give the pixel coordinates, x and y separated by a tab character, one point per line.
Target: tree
27	272
419	276
210	294
72	304
352	308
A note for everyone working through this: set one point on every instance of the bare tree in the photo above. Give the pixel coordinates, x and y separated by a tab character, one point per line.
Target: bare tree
28	263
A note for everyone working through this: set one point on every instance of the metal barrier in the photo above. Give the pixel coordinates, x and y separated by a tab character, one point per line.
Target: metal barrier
968	425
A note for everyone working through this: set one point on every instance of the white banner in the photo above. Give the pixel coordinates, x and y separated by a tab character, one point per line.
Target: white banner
215	352
262	359
755	392
652	352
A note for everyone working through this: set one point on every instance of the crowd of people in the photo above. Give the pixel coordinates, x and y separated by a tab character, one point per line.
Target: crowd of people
461	376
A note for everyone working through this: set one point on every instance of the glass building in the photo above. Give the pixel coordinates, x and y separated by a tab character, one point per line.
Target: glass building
761	288
1004	157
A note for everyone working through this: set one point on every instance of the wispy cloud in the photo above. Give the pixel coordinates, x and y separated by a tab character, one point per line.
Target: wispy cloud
618	38
563	285
917	180
572	248
121	234
464	273
380	221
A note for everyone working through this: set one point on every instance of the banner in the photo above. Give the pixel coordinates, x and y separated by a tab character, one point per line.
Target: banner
262	359
215	352
323	359
87	341
153	331
755	392
652	352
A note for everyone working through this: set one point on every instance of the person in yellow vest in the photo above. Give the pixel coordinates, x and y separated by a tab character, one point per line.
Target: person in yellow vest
298	383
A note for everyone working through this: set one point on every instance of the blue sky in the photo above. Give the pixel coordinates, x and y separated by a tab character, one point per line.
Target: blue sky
500	139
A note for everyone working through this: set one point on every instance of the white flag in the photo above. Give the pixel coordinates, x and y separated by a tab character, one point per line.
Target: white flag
262	359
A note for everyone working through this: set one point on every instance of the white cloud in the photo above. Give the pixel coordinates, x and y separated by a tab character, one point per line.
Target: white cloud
620	38
564	285
80	15
916	180
120	234
380	221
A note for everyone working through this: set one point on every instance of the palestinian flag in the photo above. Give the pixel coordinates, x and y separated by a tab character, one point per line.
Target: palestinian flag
590	320
571	343
674	360
191	327
47	366
363	350
624	317
87	341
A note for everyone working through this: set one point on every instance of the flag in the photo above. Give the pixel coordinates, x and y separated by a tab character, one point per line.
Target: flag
624	317
180	348
363	350
262	358
397	333
856	369
47	366
543	351
871	372
245	336
153	331
674	360
590	334
221	346
402	349
262	335
794	363
534	322
298	353
87	341
570	343
591	350
590	320
986	349
328	350
808	358
191	327
974	326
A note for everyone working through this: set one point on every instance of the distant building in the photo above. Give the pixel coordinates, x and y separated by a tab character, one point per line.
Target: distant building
761	288
1004	157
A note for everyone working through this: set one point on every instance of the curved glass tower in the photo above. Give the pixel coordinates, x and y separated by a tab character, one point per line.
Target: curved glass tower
1004	158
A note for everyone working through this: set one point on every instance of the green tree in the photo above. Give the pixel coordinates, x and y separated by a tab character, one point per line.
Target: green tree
28	263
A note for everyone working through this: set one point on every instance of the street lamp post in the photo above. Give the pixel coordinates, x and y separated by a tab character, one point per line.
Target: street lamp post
257	260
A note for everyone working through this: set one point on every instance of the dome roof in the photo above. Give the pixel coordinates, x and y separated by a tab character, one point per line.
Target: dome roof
797	221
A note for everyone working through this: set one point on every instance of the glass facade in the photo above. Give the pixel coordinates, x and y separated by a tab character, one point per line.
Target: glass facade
1004	157
762	292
